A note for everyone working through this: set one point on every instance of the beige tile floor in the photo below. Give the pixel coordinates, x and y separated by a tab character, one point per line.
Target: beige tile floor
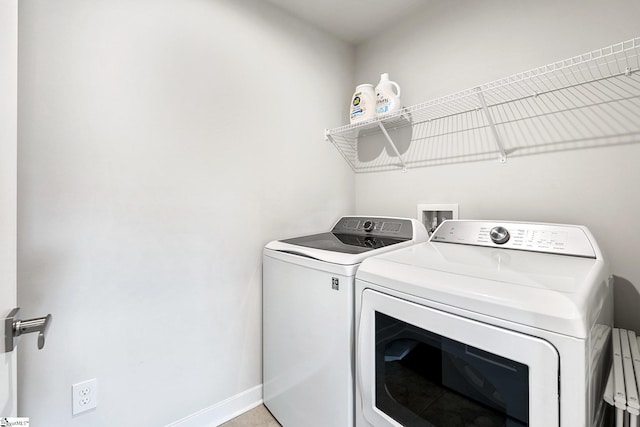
257	417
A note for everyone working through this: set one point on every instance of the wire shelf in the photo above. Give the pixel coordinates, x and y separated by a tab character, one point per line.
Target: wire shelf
589	100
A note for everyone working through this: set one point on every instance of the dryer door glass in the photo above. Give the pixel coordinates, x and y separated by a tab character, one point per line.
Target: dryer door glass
423	377
418	366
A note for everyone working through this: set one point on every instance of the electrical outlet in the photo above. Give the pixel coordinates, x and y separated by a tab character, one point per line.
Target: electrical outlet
84	396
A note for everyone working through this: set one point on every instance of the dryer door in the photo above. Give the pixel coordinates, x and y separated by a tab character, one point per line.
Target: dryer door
418	366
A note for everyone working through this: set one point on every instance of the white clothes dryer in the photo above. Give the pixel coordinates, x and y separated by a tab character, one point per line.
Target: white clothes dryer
308	317
487	324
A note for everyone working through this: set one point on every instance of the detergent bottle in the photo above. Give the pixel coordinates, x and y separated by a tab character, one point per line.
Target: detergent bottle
363	104
387	96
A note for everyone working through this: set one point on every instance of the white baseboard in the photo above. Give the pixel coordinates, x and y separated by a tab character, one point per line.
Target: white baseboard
223	411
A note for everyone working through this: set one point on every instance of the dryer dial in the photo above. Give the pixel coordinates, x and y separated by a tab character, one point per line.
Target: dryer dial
499	235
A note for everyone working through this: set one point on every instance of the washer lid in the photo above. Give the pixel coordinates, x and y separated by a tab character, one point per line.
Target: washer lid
354	238
329	255
554	292
342	242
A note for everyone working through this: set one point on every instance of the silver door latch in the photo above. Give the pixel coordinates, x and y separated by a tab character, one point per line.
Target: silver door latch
13	328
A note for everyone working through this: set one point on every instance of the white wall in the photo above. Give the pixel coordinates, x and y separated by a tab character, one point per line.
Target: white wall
161	145
456	45
8	196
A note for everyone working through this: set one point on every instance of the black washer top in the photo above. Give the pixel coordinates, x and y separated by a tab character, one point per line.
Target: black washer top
350	235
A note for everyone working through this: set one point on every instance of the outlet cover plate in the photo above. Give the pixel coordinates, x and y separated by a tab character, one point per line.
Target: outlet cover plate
84	396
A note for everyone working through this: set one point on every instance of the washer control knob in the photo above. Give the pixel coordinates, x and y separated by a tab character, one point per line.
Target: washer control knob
499	235
368	225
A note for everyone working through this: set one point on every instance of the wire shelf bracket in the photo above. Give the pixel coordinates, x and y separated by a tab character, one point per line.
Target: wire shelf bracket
393	146
494	131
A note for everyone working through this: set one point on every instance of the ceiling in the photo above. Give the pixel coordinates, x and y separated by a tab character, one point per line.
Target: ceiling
353	21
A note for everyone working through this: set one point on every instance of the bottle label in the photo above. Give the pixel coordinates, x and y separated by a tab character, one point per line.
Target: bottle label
383	104
358	108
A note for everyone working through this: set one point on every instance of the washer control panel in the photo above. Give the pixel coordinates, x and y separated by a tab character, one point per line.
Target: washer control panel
536	237
369	225
388	227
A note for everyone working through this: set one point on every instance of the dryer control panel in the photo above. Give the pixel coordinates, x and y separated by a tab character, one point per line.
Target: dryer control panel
535	237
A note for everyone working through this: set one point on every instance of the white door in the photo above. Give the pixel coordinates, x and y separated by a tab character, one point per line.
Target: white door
8	168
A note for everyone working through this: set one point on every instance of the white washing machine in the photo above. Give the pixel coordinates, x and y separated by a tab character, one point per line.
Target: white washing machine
487	324
308	317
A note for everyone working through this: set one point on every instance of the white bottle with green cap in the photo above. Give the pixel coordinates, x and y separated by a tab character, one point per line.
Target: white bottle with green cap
363	103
